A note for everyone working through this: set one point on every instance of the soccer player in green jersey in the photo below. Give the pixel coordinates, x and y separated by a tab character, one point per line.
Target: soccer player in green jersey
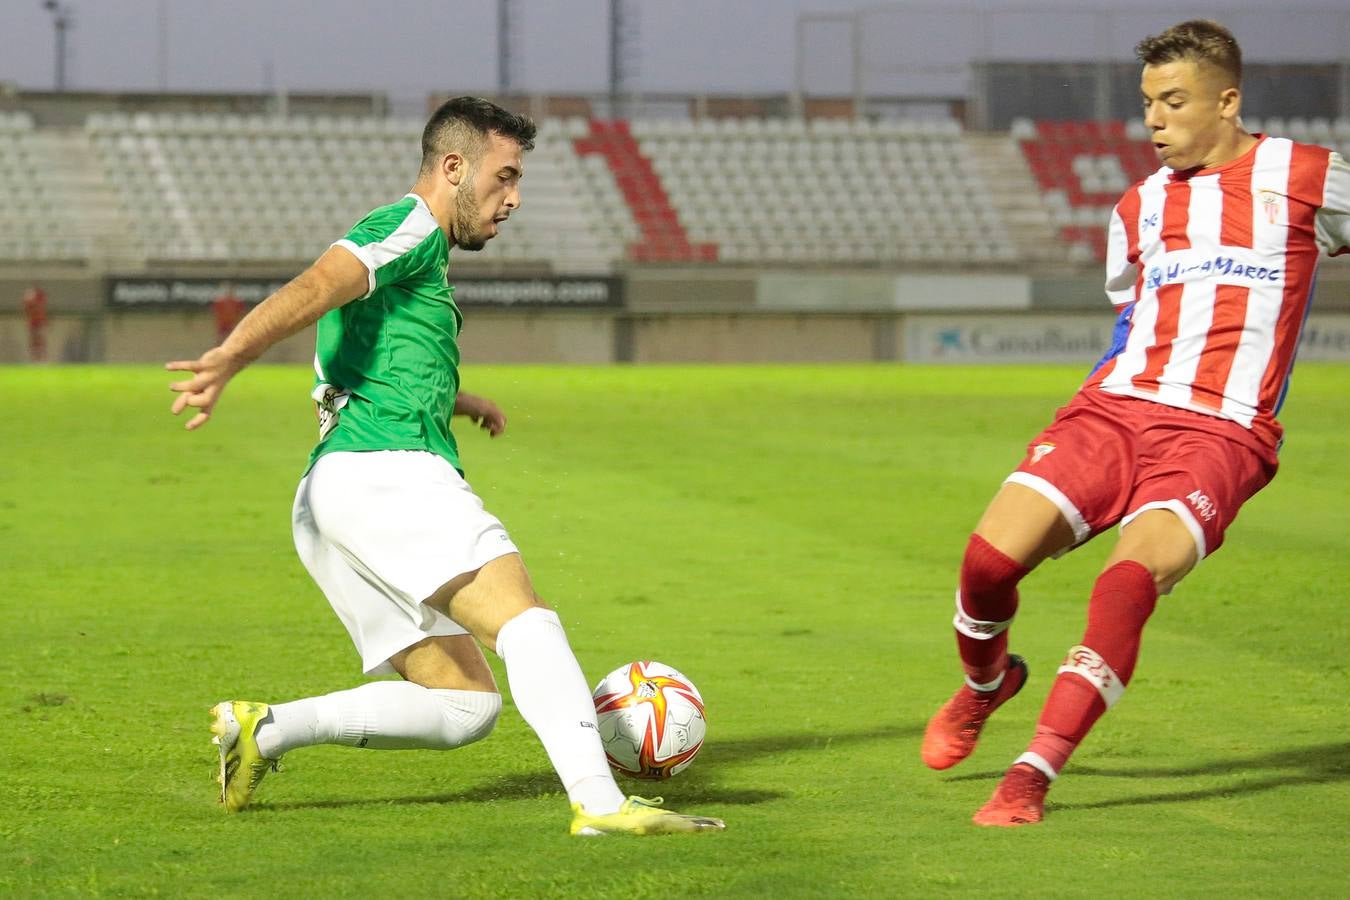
416	569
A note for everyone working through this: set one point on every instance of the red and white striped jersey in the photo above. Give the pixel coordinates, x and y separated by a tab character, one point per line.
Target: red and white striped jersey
1219	265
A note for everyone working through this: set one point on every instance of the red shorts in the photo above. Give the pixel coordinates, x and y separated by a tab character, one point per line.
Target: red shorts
1106	458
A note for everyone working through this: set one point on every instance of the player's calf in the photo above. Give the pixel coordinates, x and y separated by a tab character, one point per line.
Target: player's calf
985	606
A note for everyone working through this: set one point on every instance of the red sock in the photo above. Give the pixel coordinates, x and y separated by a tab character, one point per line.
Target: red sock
1122	600
989	580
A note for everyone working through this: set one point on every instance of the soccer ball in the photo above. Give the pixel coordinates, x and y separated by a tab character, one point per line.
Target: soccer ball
651	720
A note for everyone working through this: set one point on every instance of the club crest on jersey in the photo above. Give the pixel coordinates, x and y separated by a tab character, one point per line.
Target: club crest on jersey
1040	452
1270	201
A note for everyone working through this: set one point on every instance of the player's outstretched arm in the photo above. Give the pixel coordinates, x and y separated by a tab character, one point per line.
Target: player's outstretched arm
481	411
336	278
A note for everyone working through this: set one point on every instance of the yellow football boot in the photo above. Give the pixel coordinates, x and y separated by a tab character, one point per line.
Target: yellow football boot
234	724
640	817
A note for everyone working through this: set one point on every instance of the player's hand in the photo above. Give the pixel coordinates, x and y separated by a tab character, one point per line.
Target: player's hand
210	375
482	412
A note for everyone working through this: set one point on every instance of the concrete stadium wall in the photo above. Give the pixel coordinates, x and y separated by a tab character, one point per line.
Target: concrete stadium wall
704	314
132	338
136	337
597	337
70	339
531	336
756	337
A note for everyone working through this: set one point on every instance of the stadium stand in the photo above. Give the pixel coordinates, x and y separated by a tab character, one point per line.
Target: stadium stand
1081	168
832	190
663	238
220	187
35	221
178	188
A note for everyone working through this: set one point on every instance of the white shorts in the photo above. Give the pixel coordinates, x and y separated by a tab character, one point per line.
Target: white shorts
383	530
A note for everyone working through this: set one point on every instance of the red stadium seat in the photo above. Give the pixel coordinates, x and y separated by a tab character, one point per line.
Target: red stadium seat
1050	156
663	239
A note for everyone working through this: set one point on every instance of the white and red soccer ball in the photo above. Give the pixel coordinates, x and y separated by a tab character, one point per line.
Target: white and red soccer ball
651	720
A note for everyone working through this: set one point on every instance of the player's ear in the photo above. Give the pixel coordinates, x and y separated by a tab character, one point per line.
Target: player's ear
1230	103
453	168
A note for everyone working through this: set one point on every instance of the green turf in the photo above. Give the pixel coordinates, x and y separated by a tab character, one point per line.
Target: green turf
788	537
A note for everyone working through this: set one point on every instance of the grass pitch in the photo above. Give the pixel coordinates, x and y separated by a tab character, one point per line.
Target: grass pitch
788	537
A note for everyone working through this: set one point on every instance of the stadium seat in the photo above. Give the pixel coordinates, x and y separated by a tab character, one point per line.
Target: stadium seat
1319	131
1082	168
913	168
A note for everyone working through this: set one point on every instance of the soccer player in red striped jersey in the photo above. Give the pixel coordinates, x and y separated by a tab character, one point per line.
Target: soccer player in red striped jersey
1211	261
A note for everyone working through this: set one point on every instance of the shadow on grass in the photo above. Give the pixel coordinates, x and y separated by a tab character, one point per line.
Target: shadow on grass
1314	764
697	786
528	786
771	744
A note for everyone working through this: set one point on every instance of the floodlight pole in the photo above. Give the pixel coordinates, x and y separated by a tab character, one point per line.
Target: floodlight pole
856	39
623	57
61	23
1345	67
162	22
615	55
799	71
503	47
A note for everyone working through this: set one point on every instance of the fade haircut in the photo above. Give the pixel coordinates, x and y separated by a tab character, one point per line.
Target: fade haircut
1197	41
462	126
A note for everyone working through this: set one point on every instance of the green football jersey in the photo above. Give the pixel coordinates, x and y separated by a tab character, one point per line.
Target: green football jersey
388	364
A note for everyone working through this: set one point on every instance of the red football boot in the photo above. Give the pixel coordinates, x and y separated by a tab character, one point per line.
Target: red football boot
1018	800
952	733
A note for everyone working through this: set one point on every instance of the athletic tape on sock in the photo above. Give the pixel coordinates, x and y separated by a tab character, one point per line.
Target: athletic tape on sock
987	686
977	628
1089	665
1038	762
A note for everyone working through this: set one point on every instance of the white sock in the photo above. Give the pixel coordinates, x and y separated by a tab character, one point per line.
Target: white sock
553	699
383	715
988	686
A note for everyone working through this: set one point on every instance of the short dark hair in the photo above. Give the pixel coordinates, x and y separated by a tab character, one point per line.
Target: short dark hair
462	125
1198	41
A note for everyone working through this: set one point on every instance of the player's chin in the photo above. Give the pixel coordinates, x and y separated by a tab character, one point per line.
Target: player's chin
1174	160
474	244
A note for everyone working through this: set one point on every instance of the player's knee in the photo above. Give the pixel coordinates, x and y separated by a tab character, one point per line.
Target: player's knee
1159	541
987	570
1167	571
987	598
483	717
1167	579
468	715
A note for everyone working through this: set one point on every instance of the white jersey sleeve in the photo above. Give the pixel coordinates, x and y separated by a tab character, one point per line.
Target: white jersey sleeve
1333	219
1121	274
